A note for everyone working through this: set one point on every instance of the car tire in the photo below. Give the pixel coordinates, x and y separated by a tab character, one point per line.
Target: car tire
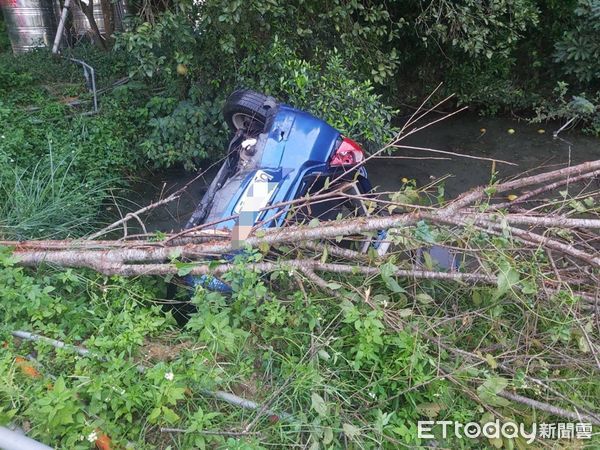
245	109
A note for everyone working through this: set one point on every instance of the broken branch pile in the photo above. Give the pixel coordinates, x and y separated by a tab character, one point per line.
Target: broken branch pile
536	227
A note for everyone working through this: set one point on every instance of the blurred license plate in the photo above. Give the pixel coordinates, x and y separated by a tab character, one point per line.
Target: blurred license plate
257	194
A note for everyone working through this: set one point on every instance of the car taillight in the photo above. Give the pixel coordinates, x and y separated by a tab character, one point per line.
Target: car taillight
347	154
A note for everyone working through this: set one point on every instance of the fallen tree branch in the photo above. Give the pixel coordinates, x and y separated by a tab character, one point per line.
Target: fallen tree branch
547	188
220	395
550	409
143	251
479	193
461	155
524	219
209	432
53	342
135	214
544	241
301	265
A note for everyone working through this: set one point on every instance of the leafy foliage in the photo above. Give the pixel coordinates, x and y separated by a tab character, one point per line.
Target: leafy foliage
478	28
579	48
358	362
205	51
183	132
329	92
335	365
583	108
57	158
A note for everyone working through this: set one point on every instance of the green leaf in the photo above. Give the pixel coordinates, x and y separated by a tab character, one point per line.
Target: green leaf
154	414
318	404
7	416
507	278
429	409
350	430
583	344
169	415
324	355
496	442
324	255
423	232
491	361
264	247
424	298
183	268
406	312
489	390
387	272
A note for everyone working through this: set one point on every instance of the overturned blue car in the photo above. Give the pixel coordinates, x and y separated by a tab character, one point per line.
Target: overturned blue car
279	154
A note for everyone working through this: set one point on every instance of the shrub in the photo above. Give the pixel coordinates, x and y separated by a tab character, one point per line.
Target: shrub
199	54
584	108
59	194
331	91
183	132
579	49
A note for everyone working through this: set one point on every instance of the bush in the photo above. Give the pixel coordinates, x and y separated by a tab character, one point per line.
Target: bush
36	89
583	108
182	132
59	194
200	59
579	49
331	91
199	54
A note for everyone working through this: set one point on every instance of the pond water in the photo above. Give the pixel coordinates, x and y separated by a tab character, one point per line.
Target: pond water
526	146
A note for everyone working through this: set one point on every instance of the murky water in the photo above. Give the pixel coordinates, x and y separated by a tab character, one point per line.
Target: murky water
489	138
527	147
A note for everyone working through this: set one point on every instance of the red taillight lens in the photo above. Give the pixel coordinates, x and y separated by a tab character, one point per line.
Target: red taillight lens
347	154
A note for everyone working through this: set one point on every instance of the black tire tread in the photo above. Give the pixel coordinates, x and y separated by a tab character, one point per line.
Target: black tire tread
247	102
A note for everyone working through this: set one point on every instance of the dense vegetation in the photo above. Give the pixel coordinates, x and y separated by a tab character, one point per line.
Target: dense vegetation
354	63
347	378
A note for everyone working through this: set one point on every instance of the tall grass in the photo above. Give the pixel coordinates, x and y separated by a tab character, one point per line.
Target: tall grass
48	200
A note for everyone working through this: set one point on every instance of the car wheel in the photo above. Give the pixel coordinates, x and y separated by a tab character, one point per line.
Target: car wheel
248	110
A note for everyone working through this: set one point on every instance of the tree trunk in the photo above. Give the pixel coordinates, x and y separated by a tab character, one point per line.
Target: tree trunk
108	11
88	10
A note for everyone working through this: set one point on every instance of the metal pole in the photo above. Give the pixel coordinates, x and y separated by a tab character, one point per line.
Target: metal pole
94	88
61	26
87	69
53	342
13	440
